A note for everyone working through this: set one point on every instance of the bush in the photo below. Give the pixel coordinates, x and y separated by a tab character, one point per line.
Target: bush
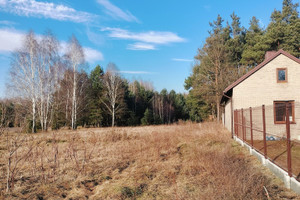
148	117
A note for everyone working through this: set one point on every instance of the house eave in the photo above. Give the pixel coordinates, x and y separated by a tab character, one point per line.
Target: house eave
229	89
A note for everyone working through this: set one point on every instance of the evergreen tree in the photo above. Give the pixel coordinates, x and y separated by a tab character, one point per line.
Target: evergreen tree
197	108
216	66
96	92
235	41
254	49
148	118
284	30
181	111
212	61
138	100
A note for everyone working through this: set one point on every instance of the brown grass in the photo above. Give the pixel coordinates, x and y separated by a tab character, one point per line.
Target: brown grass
186	161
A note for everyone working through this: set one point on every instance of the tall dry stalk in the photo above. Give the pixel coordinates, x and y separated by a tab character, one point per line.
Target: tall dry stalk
185	161
14	145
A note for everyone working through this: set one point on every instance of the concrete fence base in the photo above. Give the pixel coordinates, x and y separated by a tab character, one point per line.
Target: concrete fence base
289	182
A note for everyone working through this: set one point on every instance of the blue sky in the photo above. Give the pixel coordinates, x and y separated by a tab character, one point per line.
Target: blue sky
149	40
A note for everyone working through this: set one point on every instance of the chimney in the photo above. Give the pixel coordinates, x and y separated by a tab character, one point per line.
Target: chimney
269	54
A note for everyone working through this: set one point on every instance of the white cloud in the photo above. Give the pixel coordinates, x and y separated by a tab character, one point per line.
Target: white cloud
11	40
32	8
7	23
155	37
135	72
92	55
141	46
2	2
145	40
182	60
95	38
116	12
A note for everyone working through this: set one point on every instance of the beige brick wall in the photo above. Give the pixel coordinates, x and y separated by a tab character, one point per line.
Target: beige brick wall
262	88
227	115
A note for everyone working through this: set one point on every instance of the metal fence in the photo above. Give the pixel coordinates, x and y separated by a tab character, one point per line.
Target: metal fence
268	130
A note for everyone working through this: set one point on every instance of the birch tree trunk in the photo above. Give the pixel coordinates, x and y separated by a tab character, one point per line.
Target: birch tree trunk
23	74
33	69
114	93
49	60
113	117
74	100
75	57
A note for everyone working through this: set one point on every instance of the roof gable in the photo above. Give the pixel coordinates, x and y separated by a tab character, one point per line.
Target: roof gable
255	69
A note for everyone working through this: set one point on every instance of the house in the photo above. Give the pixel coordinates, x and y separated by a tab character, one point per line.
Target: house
274	83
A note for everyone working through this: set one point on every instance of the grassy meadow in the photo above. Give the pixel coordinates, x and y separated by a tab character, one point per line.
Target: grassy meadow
181	161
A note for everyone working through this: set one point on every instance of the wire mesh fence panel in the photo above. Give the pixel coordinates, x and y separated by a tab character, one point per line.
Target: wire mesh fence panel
276	143
275	121
238	123
295	127
295	141
257	123
277	152
258	144
248	134
295	159
274	131
247	130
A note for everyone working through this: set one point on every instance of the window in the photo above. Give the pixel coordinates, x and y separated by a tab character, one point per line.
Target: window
280	111
281	75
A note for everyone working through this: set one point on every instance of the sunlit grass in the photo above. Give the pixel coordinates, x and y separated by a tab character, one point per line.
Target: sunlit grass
185	161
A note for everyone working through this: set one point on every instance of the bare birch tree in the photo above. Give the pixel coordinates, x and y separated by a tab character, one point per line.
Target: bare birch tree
114	93
35	71
64	96
48	74
63	99
23	74
75	58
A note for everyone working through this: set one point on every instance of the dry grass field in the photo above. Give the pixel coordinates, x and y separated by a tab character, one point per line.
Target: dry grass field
185	161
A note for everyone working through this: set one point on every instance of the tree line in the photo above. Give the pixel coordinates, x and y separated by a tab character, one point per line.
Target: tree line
231	50
49	89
